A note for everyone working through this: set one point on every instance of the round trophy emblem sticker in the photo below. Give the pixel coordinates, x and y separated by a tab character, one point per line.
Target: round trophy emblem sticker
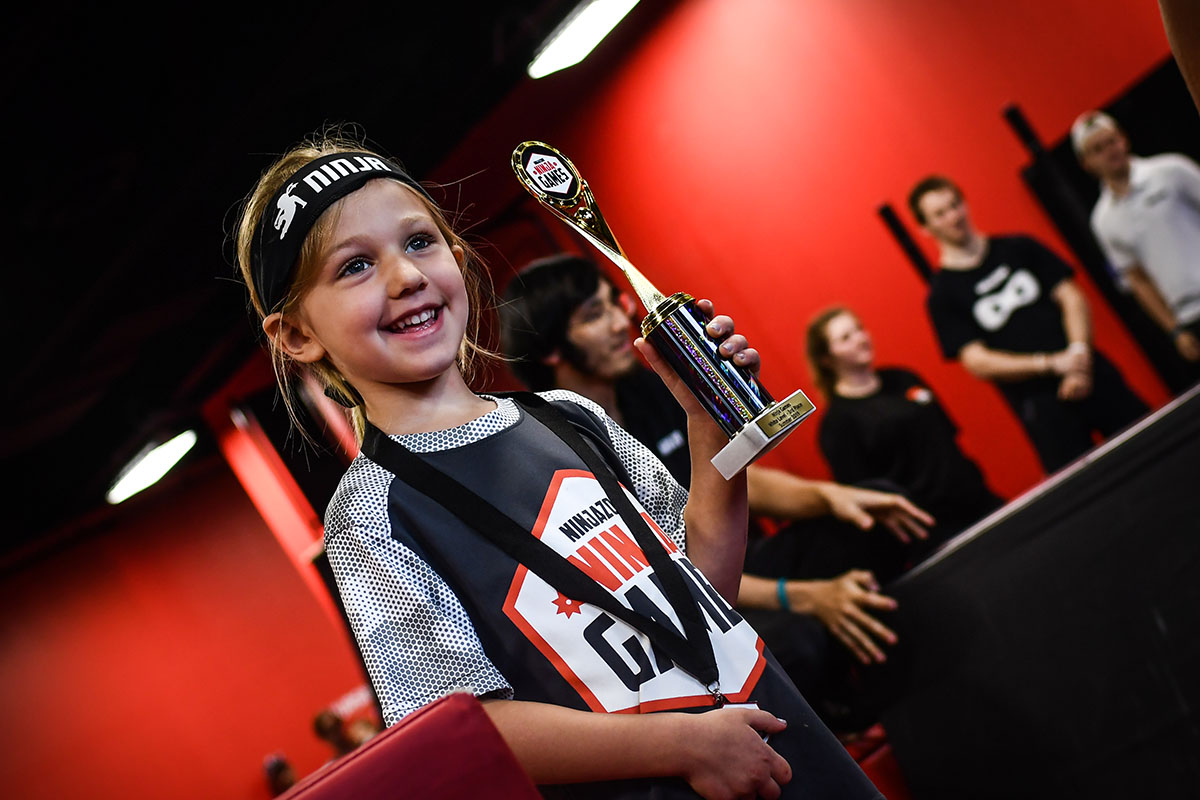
550	172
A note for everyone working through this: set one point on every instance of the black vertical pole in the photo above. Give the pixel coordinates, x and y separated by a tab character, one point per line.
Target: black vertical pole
906	242
1065	196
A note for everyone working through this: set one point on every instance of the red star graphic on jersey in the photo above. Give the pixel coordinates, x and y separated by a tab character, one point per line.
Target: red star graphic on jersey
566	605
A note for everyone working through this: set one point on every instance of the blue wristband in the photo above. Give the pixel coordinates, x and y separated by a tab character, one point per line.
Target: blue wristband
781	590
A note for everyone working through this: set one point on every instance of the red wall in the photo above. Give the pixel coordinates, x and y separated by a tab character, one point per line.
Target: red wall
165	653
740	150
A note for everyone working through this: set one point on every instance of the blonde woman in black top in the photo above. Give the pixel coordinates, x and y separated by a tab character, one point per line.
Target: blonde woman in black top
886	425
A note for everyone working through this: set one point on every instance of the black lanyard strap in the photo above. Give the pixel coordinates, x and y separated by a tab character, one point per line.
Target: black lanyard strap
692	652
672	579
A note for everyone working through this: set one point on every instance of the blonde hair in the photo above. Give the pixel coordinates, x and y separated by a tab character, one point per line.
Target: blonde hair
471	352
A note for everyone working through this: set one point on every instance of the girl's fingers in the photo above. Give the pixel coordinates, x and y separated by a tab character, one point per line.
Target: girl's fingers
720	326
781	770
770	790
733	345
765	721
749	359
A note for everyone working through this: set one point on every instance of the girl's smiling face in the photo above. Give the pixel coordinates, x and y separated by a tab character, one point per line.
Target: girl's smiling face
387	304
850	346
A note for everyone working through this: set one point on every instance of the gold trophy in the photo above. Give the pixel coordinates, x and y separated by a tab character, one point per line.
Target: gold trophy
737	402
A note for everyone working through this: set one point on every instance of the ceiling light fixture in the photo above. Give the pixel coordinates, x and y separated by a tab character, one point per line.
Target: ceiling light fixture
149	466
578	35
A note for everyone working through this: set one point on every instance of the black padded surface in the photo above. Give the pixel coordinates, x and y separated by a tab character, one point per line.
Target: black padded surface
1054	649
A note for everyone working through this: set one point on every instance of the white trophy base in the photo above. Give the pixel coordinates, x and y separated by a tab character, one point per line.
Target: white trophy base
752	441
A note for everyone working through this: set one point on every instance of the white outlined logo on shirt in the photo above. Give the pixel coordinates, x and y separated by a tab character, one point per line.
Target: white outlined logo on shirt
612	666
992	311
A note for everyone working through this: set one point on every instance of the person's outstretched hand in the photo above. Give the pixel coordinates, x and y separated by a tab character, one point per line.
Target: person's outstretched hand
843	605
865	507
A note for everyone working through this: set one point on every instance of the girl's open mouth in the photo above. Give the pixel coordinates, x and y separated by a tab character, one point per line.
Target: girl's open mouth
414	323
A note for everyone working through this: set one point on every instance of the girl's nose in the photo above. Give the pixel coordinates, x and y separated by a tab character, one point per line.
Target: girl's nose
403	277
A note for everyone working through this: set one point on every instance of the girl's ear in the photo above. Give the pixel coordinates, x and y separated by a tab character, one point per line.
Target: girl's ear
295	339
460	256
552	360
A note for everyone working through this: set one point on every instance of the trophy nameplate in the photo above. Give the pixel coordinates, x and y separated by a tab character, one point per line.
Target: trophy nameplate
732	395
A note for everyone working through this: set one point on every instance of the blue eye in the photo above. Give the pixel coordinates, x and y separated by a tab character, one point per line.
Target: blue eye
419	242
355	266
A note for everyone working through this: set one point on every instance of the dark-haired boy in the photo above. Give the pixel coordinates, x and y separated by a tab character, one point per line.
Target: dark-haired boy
1009	309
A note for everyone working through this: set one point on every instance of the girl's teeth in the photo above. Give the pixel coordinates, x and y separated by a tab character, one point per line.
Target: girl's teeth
417	319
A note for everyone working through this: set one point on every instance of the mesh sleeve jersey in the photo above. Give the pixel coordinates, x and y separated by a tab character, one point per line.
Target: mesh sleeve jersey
416	638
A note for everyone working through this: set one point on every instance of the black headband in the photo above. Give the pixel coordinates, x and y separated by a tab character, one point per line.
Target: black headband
297	205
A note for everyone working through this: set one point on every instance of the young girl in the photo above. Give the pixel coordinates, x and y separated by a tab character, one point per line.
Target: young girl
523	548
886	424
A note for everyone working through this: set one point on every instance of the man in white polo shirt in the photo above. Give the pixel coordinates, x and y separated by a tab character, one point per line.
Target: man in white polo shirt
1147	221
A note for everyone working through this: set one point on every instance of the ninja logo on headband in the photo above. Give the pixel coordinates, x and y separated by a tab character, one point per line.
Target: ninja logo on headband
287	205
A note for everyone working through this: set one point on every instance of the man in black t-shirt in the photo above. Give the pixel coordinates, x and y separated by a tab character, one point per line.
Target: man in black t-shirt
564	325
1008	308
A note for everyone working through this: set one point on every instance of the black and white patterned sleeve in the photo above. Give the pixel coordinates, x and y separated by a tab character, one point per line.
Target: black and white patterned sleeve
656	489
415	637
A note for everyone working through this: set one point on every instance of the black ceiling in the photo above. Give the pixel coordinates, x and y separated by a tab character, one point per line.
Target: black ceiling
132	139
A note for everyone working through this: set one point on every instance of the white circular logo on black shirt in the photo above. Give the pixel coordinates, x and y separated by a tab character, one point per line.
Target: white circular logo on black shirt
993	310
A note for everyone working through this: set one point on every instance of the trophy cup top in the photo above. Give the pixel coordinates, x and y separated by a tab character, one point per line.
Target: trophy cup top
547	174
551	178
